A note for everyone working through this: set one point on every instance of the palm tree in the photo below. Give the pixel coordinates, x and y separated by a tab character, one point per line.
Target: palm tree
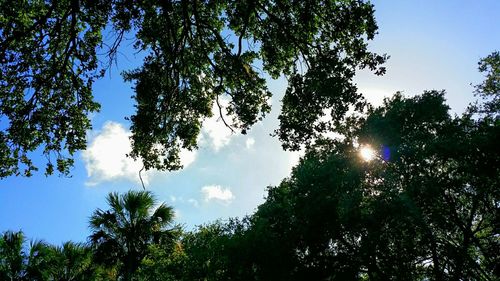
41	261
18	262
73	262
123	234
12	256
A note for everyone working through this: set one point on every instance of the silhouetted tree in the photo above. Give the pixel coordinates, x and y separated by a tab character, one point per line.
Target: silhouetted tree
425	208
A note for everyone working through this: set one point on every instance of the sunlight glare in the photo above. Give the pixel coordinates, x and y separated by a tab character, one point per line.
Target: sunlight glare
367	153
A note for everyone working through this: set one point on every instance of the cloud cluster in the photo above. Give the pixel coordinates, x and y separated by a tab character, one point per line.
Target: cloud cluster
187	157
215	129
106	156
217	193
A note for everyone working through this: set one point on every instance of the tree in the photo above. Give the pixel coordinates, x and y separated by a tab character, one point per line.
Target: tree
11	256
219	251
489	90
19	261
74	262
164	264
197	54
123	234
39	261
425	208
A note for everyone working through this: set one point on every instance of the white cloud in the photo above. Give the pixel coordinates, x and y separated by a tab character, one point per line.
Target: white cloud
249	143
187	157
105	157
214	128
294	158
218	193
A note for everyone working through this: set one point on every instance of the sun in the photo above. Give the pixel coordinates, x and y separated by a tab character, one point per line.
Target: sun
367	153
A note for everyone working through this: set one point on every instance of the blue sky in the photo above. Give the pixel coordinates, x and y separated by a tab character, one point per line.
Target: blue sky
432	44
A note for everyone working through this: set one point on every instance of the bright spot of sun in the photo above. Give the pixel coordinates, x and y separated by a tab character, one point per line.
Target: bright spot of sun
367	153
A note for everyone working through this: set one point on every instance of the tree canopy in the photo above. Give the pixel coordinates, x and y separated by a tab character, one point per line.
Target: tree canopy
197	53
426	207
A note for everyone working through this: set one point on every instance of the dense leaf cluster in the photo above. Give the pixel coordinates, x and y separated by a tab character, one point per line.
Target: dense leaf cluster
197	54
48	62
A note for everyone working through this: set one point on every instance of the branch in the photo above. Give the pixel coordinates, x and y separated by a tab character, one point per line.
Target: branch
221	115
220	108
140	177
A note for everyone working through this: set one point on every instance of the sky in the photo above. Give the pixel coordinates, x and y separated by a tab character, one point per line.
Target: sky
432	44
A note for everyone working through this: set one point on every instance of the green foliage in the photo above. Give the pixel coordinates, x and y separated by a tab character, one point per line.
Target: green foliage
74	261
39	261
48	63
197	54
205	249
489	90
163	264
122	236
11	256
218	251
426	208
